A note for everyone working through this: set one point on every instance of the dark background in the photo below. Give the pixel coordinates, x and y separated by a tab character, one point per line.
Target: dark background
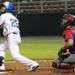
44	24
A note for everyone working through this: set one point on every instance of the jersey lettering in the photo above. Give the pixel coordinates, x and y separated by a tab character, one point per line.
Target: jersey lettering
14	22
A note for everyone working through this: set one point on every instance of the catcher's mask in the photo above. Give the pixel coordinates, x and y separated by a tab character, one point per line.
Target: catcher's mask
66	21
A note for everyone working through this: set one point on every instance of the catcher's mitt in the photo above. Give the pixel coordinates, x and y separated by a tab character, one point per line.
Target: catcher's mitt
63	53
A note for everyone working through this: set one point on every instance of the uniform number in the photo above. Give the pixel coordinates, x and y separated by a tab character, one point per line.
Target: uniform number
14	22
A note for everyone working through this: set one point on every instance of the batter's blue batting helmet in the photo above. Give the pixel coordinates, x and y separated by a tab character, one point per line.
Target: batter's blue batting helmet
9	7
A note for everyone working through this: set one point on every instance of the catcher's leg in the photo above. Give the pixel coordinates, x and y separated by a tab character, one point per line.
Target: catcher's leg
68	63
56	63
70	59
59	64
61	67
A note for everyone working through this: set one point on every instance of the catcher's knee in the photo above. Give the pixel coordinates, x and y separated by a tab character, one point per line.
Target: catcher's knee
1	60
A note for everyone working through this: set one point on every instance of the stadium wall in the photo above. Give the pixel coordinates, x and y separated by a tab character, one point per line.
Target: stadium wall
44	24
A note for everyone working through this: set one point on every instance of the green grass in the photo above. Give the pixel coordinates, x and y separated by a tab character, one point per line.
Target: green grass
39	47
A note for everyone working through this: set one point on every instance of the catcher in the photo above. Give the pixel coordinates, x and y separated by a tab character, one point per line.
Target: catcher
66	55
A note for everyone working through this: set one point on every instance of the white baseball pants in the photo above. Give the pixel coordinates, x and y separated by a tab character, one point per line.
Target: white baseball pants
12	44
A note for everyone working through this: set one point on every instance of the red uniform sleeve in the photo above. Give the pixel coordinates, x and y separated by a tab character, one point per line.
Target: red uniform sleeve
68	34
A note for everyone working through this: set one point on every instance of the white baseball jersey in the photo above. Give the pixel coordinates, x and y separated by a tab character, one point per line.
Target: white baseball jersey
10	23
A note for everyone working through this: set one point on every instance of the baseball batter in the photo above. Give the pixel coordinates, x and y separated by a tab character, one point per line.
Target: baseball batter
11	31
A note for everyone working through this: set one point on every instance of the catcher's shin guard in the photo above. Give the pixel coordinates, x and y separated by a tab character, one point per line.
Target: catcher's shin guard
61	65
1	60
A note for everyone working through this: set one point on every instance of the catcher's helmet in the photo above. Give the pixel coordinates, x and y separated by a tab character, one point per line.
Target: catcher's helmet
67	20
68	17
9	7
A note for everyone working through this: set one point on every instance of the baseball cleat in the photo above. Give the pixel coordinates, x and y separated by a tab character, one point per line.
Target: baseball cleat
2	68
32	68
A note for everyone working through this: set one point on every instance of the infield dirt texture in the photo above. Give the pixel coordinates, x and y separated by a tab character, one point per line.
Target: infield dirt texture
15	68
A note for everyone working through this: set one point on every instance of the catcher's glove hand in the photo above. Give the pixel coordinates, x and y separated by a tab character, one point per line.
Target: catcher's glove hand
63	53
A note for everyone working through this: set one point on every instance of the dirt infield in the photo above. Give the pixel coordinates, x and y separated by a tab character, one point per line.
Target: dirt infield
15	68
